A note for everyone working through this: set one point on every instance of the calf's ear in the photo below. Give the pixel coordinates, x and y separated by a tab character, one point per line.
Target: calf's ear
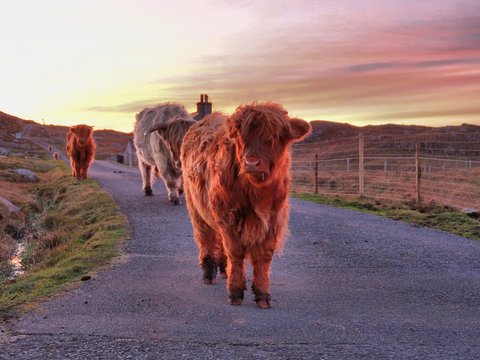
299	129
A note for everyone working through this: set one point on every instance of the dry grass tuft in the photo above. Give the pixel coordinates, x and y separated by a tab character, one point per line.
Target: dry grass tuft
69	228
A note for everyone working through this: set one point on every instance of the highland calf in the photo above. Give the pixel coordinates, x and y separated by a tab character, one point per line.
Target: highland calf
80	149
158	135
236	179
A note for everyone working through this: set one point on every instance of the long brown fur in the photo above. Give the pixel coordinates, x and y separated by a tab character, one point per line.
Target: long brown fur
80	149
236	180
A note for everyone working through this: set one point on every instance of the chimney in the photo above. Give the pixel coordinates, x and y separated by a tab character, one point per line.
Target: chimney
203	107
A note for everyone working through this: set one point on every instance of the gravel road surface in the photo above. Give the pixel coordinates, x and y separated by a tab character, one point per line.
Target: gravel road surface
348	286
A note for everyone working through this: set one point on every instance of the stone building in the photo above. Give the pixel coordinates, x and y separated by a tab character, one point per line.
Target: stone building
130	155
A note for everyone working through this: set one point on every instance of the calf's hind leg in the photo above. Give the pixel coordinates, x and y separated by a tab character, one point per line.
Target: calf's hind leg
172	188
146	171
171	180
222	260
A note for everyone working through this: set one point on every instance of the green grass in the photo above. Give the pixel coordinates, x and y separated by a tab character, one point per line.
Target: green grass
429	215
74	229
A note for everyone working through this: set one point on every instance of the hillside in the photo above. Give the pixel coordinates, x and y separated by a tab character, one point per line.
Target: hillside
328	130
334	140
109	142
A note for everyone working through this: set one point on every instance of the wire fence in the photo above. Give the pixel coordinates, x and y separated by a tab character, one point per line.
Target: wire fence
443	167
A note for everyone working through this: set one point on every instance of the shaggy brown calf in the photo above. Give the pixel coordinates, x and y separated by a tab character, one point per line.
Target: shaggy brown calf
236	180
172	134
80	149
56	155
158	133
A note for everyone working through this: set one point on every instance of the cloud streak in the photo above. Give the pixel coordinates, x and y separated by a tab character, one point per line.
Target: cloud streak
350	59
130	107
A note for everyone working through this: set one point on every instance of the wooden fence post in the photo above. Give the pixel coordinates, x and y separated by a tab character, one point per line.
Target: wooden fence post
361	170
315	175
418	173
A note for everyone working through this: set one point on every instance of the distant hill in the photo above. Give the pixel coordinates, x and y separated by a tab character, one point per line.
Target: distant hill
6	119
109	142
328	130
11	125
337	140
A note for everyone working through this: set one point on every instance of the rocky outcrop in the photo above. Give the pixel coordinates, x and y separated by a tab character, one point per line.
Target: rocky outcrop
27	175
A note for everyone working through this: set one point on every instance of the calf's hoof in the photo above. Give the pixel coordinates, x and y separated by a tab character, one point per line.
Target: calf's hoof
235	302
175	201
264	304
262	299
235	297
173	198
209	281
148	191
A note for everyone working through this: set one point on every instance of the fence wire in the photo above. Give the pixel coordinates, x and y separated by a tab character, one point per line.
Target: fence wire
442	167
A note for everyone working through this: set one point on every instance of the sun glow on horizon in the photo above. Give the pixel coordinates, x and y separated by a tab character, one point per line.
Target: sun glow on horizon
102	62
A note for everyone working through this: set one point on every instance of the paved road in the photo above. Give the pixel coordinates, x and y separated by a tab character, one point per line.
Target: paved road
348	286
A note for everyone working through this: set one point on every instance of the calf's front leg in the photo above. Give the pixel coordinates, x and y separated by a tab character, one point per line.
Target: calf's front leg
261	258
236	283
78	171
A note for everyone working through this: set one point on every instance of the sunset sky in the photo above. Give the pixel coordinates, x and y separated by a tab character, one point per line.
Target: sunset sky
357	61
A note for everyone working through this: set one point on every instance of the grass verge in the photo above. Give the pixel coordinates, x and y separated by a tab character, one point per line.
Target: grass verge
429	215
70	228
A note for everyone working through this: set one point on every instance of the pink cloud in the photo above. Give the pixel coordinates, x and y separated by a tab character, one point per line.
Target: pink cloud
351	56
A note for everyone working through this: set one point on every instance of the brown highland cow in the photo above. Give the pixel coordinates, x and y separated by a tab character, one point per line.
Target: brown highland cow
80	149
236	181
56	155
